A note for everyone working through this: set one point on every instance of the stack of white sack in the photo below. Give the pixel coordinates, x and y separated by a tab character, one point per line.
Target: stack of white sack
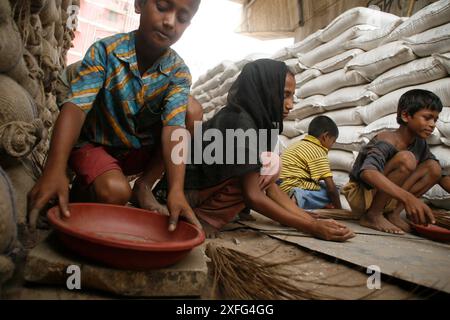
354	71
360	85
211	89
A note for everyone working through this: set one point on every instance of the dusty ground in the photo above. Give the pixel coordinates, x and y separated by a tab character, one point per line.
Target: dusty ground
341	280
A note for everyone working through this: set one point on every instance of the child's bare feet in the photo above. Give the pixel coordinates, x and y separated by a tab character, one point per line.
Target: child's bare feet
210	231
143	197
396	220
379	222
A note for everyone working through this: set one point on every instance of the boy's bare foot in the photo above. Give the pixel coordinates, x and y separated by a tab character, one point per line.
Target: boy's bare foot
143	197
210	231
380	223
396	220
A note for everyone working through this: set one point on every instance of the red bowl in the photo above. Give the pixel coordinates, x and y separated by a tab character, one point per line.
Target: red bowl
124	237
433	232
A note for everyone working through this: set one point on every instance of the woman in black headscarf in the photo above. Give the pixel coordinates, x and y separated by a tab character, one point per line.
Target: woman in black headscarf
258	101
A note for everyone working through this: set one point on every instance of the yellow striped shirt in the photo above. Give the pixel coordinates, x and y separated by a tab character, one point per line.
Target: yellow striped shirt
304	164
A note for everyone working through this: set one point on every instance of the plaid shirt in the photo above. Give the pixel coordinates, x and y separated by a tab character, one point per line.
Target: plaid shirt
122	106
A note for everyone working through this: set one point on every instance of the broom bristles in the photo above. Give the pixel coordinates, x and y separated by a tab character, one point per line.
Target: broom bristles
242	276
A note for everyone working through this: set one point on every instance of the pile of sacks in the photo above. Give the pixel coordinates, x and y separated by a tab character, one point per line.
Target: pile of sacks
34	40
354	71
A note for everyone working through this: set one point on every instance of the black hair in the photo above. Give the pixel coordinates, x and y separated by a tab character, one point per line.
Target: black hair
322	124
415	100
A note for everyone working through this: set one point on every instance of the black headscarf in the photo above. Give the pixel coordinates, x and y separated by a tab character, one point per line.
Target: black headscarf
259	91
255	101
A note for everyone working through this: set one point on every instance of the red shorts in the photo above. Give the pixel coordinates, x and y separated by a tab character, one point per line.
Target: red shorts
91	161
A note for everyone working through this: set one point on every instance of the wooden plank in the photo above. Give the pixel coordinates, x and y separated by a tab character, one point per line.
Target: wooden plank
407	257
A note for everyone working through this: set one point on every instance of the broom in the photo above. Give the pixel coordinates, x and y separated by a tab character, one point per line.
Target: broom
442	219
241	276
337	214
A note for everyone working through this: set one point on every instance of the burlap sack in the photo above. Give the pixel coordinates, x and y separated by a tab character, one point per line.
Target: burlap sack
22	180
6	269
50	12
20	130
37	5
5	11
29	75
11	46
8	213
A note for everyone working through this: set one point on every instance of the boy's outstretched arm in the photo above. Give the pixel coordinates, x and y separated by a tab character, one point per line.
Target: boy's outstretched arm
277	206
419	211
333	192
54	184
176	200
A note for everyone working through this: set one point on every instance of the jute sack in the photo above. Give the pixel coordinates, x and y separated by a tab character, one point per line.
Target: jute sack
389	123
29	75
5	11
355	16
433	15
309	43
377	61
20	129
444	59
348	97
37	6
50	13
436	40
388	103
327	83
8	213
306	107
415	72
334	47
6	270
337	62
15	103
341	160
11	47
438	197
371	40
22	180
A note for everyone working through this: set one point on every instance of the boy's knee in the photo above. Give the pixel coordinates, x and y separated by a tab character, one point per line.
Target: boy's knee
407	162
433	169
194	113
114	192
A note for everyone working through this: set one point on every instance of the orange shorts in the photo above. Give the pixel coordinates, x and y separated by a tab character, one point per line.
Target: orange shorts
91	161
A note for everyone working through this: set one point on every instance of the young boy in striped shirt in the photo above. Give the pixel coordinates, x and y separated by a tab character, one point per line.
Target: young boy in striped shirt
130	95
306	175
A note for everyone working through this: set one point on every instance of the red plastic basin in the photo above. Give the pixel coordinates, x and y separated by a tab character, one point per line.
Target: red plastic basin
124	237
433	232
